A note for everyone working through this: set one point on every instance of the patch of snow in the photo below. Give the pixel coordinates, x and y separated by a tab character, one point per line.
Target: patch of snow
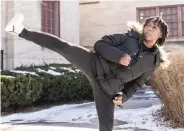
52	68
64	113
145	94
23	72
149	92
50	72
77	70
54	72
70	70
142	119
44	128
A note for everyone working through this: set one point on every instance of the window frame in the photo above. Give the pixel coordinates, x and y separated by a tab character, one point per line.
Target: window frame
182	20
179	16
143	8
50	17
88	1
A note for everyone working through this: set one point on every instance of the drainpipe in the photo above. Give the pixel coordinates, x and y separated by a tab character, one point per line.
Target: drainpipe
2	60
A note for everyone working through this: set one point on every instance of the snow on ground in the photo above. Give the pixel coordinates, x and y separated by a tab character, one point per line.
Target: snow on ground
43	128
147	94
142	119
125	119
64	113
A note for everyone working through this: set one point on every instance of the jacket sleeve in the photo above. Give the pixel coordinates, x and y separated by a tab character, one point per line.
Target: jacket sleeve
130	88
106	47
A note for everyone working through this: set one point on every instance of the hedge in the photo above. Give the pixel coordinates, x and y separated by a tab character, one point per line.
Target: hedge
22	90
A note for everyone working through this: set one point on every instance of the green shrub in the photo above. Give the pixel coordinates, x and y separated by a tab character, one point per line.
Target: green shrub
25	90
20	91
65	88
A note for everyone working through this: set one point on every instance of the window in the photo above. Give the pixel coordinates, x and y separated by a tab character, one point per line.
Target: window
170	15
50	17
173	15
182	13
143	13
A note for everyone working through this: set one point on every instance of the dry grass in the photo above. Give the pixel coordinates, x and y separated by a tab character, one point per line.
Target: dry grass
169	83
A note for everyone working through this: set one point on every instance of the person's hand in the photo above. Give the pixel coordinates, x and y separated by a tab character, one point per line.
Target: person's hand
118	98
125	60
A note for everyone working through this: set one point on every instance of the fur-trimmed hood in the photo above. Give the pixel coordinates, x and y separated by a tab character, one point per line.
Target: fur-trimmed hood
136	34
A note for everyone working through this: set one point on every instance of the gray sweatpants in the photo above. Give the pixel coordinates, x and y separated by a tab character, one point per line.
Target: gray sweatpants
84	60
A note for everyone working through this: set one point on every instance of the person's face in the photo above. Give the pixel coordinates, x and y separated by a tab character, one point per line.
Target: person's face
152	33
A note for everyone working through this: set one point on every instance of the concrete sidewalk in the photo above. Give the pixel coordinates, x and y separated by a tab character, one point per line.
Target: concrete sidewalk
6	127
58	128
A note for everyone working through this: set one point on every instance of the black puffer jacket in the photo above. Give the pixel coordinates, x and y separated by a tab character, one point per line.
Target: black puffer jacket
114	77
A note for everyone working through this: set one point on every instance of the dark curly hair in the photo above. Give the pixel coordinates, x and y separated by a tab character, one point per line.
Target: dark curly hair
161	24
